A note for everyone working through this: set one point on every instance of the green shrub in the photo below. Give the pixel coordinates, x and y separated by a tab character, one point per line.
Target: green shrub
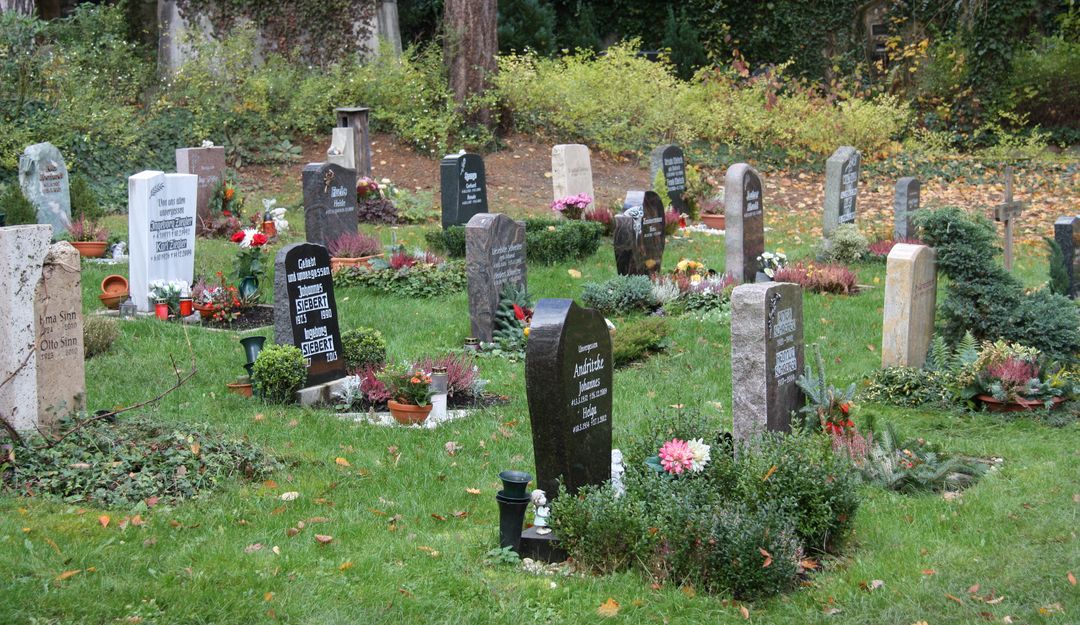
636	339
363	347
526	25
19	209
420	280
1059	273
985	299
732	552
1043	84
800	473
846	246
907	386
98	335
122	464
84	201
619	295
603	533
279	373
547	241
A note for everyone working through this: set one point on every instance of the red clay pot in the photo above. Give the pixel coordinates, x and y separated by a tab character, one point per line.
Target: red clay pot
408	414
1020	405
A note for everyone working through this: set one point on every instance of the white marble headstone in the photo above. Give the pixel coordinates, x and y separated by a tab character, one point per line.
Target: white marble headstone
161	230
571	170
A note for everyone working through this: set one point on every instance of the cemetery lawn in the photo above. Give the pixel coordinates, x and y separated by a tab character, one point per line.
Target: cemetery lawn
411	538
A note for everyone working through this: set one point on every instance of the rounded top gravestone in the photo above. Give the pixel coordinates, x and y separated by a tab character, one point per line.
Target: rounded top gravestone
463	188
305	313
43	176
568	380
670	160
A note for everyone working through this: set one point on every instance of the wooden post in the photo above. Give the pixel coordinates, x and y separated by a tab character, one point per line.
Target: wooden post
1007	213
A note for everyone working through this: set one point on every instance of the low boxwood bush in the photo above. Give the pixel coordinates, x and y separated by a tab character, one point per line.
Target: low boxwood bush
279	372
124	463
635	340
418	280
907	386
619	295
846	246
547	241
362	348
98	335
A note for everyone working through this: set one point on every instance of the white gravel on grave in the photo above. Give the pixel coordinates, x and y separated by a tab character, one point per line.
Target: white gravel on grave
386	420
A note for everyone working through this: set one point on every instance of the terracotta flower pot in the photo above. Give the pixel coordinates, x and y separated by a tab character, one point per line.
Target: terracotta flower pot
205	310
90	249
114	285
243	390
408	414
112	301
716	222
1020	405
339	263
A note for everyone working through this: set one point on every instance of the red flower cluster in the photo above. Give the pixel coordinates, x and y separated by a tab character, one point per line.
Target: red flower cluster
257	240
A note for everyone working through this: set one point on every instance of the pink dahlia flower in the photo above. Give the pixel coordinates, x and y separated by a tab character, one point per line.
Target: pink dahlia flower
676	456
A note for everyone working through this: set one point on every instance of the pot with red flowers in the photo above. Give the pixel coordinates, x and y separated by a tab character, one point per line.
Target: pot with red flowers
410	392
249	260
1009	377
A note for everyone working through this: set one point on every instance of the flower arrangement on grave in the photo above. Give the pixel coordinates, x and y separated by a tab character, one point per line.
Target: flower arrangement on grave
375	201
219	303
572	206
603	216
690	270
677	457
1010	373
407	384
226	210
249	256
819	278
673	220
83	230
828	409
770	262
275	214
169	291
510	331
354	245
407	273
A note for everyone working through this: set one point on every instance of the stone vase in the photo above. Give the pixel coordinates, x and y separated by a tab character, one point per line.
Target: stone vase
408	414
252	346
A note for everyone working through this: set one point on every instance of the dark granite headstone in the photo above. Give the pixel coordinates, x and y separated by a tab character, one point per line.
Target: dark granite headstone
744	230
766	357
494	257
1067	235
329	202
670	160
652	232
629	249
905	203
463	188
305	314
568	383
209	165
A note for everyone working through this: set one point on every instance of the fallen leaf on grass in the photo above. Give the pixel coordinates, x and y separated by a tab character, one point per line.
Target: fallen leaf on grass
1071	578
767	556
345	566
269	596
292	531
438	517
745	612
291	495
574	273
318	519
434	553
954	598
104	520
974	588
808	564
473	491
195	447
68	574
832	611
609	608
323	539
873	585
928	571
149	542
452	447
271	484
252	548
689	591
341	462
1053	608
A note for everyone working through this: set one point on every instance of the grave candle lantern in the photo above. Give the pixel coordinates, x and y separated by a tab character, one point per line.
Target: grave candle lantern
185	306
161	309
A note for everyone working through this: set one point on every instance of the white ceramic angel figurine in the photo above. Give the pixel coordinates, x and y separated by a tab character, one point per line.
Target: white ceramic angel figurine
539	501
617	470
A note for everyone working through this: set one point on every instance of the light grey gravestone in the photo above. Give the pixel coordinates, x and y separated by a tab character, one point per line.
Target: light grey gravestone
841	188
744	230
22	254
571	171
905	203
766	357
1067	235
161	231
209	165
61	374
494	257
43	177
342	151
910	298
633	198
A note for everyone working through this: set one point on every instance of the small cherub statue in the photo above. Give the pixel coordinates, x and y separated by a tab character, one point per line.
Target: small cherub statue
540	502
617	470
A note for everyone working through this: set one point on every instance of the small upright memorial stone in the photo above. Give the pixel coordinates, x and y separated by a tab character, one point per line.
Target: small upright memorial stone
463	188
209	165
766	357
43	177
61	377
841	188
1067	235
744	231
905	203
670	160
22	254
355	120
571	170
305	313
638	237
652	232
568	376
910	297
329	202
494	258
161	231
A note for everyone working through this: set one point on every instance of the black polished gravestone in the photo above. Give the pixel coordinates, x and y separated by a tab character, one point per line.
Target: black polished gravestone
463	188
329	202
905	203
494	257
670	160
1067	235
568	384
652	232
638	237
305	314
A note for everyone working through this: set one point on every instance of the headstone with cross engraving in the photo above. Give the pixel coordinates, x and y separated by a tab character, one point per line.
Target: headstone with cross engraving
1008	212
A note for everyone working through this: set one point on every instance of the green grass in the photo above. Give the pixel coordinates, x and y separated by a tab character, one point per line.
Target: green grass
1015	533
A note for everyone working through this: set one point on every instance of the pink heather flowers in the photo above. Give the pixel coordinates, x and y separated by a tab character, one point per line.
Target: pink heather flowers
676	456
572	206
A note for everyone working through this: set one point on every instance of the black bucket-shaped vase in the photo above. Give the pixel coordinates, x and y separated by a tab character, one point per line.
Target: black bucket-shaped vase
250	368
252	346
515	483
511	520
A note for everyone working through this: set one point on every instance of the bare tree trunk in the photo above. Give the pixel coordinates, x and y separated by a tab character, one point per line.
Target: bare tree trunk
469	47
26	7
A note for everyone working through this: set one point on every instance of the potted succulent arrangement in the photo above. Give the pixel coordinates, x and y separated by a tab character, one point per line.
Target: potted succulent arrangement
85	236
353	249
572	206
712	213
410	393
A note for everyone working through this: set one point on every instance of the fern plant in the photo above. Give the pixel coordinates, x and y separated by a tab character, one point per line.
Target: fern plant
910	466
827	407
